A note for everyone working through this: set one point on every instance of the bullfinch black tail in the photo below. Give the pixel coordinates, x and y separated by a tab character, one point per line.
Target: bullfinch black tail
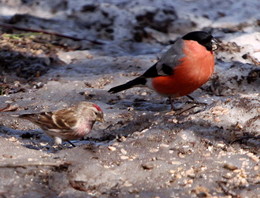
140	81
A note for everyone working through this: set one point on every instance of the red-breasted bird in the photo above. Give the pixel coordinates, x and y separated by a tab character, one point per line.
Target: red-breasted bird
71	123
186	66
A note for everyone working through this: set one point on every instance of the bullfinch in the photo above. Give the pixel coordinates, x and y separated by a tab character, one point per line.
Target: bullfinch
186	66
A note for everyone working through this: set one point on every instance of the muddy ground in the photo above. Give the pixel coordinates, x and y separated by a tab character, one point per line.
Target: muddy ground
143	149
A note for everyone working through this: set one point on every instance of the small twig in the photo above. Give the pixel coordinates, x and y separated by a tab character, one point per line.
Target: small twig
225	189
185	110
9	108
24	165
246	137
251	58
79	185
8	26
190	97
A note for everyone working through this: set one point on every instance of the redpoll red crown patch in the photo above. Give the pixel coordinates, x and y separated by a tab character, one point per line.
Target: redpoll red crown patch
97	107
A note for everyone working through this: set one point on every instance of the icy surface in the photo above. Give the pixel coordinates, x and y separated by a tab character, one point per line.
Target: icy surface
143	149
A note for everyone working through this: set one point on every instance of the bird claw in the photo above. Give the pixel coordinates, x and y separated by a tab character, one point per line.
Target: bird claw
172	112
197	103
71	143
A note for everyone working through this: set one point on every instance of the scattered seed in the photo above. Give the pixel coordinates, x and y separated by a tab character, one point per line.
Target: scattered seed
147	166
238	126
175	121
170	151
128	184
228	176
253	157
153	150
124	157
181	155
217	119
220	145
175	162
111	148
106	166
172	171
12	139
190	173
229	167
153	159
164	145
123	151
121	139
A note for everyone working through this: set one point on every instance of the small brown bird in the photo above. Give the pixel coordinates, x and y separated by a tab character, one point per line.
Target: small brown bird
71	123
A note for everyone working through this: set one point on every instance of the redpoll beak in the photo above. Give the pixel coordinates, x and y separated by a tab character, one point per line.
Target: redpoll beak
99	119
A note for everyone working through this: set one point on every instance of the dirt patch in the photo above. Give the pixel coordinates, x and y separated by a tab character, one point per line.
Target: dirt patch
143	149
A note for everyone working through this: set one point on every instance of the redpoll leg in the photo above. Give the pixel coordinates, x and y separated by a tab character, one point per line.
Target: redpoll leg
57	140
71	143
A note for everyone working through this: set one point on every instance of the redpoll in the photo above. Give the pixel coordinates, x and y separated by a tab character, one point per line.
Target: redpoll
71	123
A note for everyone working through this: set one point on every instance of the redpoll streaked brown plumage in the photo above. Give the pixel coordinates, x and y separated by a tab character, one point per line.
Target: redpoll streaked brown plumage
71	123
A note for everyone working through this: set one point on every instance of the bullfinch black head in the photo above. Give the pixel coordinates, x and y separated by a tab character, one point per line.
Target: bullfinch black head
203	38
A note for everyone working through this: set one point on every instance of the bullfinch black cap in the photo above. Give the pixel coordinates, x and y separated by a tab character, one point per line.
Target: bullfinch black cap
203	38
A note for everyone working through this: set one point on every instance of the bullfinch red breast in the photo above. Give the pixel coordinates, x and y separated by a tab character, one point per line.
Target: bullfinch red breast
186	66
